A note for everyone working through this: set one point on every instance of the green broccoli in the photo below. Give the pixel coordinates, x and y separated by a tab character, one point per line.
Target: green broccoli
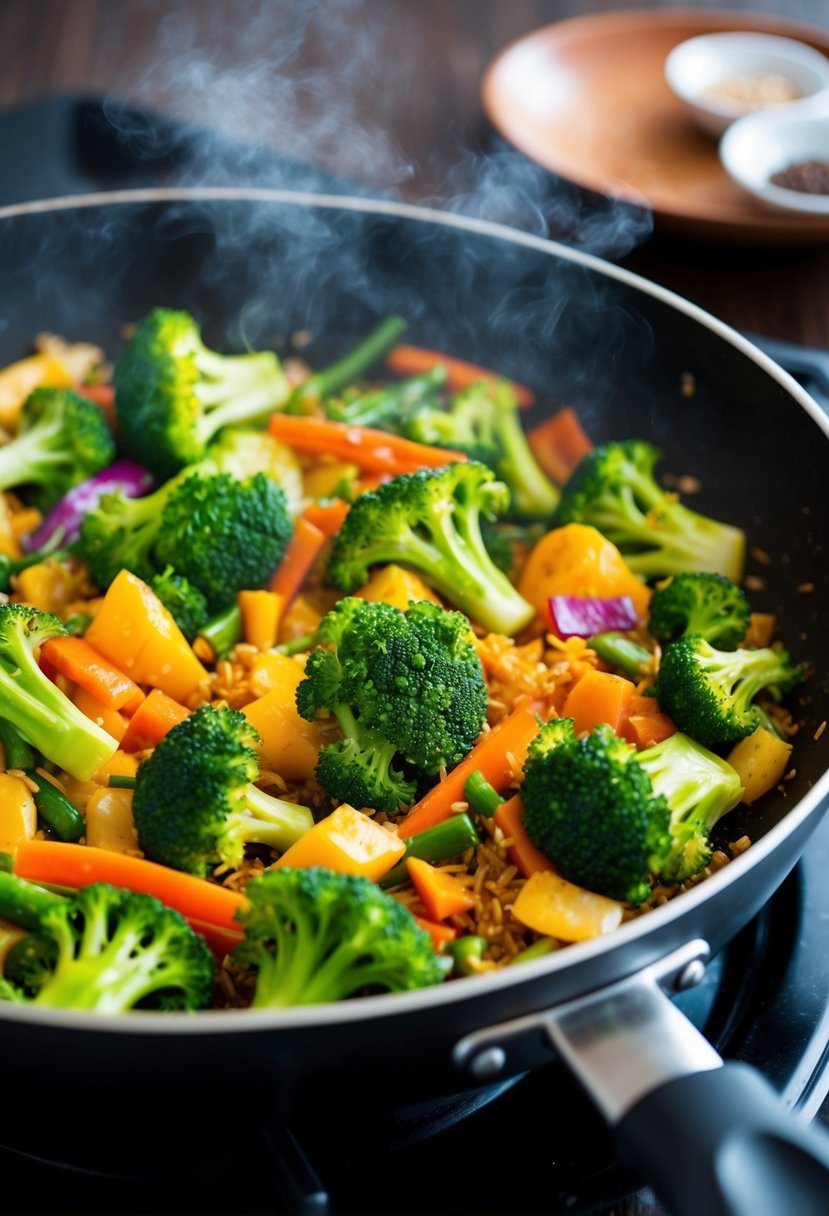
62	439
613	489
220	534
41	714
431	521
612	820
244	451
708	604
406	688
387	407
314	935
173	394
710	693
484	422
185	603
195	805
104	950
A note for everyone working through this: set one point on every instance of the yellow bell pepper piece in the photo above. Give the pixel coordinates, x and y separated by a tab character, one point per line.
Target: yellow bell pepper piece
109	821
289	745
261	612
121	764
396	586
18	813
760	760
551	905
346	841
133	629
321	480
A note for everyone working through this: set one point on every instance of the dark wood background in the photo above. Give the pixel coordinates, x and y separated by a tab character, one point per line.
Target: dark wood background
386	92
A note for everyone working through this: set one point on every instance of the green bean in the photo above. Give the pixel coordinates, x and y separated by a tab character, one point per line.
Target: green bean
55	809
480	795
447	839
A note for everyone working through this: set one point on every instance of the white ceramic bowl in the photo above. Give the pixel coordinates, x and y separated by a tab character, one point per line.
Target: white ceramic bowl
756	147
723	77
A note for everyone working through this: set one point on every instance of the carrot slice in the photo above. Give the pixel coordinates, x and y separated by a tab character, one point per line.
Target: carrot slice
327	516
78	865
221	941
110	720
372	450
80	662
104	397
442	894
404	360
496	755
440	934
522	852
559	443
302	551
156	715
599	696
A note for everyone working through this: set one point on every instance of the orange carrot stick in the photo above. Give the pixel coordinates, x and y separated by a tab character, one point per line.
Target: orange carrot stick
406	360
221	941
80	662
559	443
440	934
327	516
442	894
522	852
496	755
78	865
302	551
156	715
374	451
104	397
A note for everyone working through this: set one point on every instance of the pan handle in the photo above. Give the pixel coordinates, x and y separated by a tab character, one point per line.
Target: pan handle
713	1138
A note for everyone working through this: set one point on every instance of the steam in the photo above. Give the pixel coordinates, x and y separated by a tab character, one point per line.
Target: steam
300	94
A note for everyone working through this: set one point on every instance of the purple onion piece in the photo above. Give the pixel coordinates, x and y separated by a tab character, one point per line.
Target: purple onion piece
132	479
583	616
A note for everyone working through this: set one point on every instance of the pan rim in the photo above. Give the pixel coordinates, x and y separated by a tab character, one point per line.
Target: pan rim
474	987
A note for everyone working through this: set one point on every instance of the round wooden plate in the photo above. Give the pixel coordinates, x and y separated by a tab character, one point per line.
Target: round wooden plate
587	99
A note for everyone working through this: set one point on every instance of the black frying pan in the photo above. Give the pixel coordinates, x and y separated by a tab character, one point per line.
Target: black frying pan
257	267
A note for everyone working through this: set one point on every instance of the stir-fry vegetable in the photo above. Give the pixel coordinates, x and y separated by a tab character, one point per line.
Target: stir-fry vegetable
365	687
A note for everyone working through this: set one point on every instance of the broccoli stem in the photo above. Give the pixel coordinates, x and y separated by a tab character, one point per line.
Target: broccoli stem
55	809
23	903
544	946
465	952
480	795
30	455
448	839
259	818
348	369
117	781
296	645
533	494
48	720
237	388
621	652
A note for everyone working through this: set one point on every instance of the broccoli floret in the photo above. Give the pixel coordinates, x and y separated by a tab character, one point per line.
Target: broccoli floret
484	422
612	820
183	601
172	393
221	534
41	714
314	935
405	687
710	693
244	451
106	950
708	604
699	789
613	489
431	521
62	439
195	805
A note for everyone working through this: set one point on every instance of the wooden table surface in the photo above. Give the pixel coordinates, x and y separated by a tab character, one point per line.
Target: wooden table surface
386	92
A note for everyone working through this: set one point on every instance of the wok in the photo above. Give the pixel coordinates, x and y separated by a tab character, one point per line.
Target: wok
258	267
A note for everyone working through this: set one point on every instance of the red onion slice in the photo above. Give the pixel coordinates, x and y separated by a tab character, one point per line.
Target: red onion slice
132	479
583	616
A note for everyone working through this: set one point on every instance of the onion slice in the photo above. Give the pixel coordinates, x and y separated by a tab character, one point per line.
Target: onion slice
583	616
63	523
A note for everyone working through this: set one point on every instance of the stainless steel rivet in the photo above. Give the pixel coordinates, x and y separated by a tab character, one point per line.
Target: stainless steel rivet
690	975
488	1063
